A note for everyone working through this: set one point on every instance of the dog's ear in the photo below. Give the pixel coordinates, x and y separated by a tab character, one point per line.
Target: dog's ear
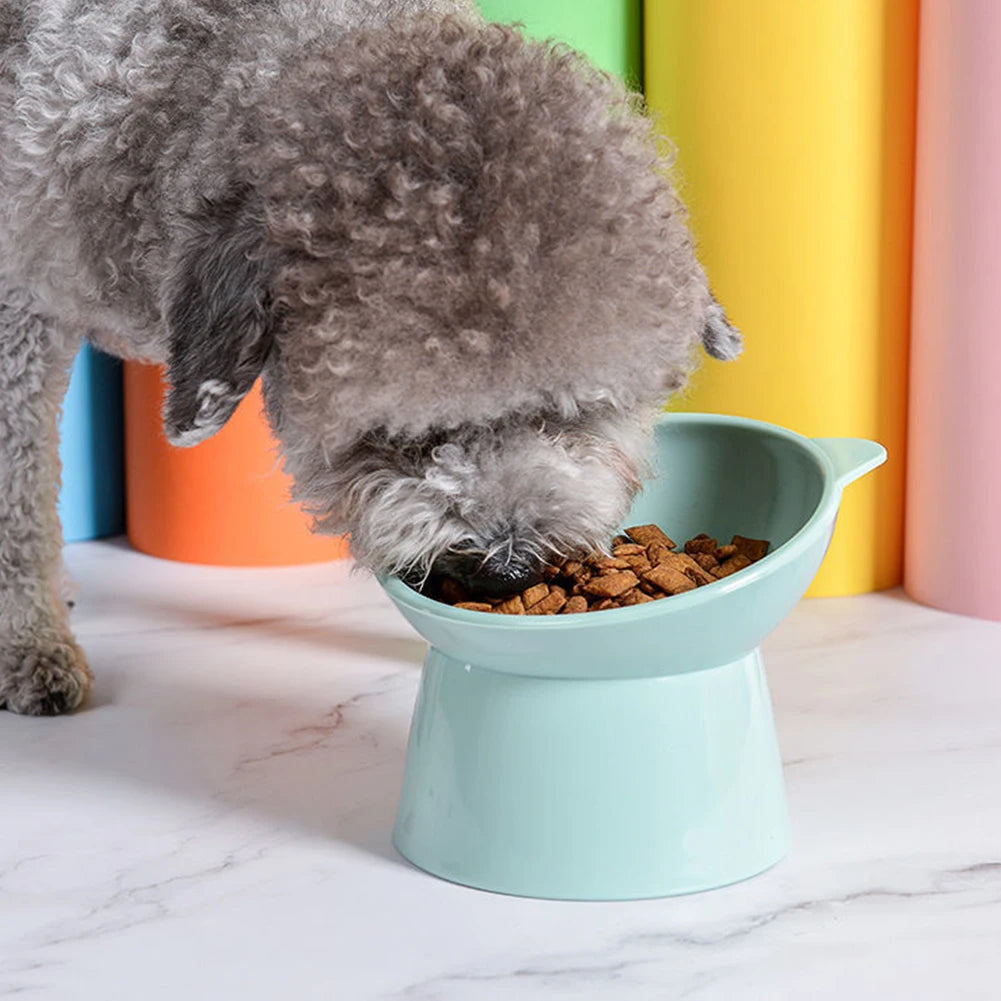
720	337
219	318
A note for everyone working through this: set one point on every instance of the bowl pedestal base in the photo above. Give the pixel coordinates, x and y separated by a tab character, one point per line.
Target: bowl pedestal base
593	789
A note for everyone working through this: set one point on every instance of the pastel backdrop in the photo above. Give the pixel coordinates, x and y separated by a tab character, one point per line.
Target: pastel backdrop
954	482
225	501
794	125
91	498
608	31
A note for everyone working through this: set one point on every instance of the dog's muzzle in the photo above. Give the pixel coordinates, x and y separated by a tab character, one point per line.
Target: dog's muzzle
494	577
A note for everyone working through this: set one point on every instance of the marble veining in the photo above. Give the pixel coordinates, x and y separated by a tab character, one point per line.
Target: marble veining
217	823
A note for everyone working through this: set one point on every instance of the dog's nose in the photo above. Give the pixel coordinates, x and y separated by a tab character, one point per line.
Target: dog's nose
496	576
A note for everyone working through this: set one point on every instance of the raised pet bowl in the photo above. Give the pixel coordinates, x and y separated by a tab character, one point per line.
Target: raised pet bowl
630	752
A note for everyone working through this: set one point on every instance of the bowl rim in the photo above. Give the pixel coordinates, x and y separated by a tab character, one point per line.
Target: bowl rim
404	595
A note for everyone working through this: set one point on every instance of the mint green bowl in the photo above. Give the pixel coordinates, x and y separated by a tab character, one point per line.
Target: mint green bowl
632	752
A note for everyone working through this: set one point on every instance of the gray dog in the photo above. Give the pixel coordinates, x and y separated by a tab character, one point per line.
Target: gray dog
451	253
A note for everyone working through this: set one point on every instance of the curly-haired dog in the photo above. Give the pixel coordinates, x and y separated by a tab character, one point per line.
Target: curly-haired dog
450	252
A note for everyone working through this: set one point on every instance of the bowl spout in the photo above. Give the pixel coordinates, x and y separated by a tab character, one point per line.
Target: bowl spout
851	457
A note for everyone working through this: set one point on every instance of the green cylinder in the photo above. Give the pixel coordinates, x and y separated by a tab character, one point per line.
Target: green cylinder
607	31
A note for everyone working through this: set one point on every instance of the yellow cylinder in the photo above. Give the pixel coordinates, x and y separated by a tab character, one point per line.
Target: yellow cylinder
794	128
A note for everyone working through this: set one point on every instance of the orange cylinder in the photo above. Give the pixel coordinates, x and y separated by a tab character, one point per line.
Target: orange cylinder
224	502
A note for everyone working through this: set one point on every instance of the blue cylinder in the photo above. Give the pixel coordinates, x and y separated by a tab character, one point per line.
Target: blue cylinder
92	499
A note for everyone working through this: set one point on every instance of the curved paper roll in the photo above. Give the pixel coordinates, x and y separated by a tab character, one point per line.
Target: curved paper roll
954	456
794	128
224	501
608	31
92	500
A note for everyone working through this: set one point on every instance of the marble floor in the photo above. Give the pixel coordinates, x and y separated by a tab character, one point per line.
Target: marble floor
216	824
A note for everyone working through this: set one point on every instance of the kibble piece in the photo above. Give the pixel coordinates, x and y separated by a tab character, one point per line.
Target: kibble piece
638	564
724	552
649	535
572	567
683	563
611	563
612	585
534	594
669	579
688	566
732	565
513	606
635	597
629	549
701	544
647	588
706	560
621	540
658	553
602	605
578	603
550	572
475	606
550	604
753	549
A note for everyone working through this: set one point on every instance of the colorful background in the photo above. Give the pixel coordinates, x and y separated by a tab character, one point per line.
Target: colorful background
840	158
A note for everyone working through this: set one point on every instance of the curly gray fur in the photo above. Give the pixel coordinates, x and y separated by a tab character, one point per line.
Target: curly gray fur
451	253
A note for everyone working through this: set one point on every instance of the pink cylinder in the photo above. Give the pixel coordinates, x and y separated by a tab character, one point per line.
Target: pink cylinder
953	523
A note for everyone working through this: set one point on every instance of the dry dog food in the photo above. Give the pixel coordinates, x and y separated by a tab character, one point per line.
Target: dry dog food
643	565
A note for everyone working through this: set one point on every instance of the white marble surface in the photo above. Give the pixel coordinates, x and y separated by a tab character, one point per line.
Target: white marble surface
216	824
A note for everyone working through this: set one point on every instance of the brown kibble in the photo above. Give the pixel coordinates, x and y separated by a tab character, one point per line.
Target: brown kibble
453	592
629	549
534	594
550	604
753	549
700	544
602	605
513	606
641	567
612	585
669	579
732	565
658	553
687	565
611	563
638	564
634	597
649	535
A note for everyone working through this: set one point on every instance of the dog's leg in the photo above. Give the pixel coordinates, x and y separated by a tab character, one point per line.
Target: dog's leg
42	670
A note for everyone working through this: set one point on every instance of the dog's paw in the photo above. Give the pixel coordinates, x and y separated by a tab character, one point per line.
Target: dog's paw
45	678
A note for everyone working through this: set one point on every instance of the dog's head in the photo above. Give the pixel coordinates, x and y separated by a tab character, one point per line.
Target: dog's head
456	259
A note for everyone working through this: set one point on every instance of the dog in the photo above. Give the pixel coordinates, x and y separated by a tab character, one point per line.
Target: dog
452	254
